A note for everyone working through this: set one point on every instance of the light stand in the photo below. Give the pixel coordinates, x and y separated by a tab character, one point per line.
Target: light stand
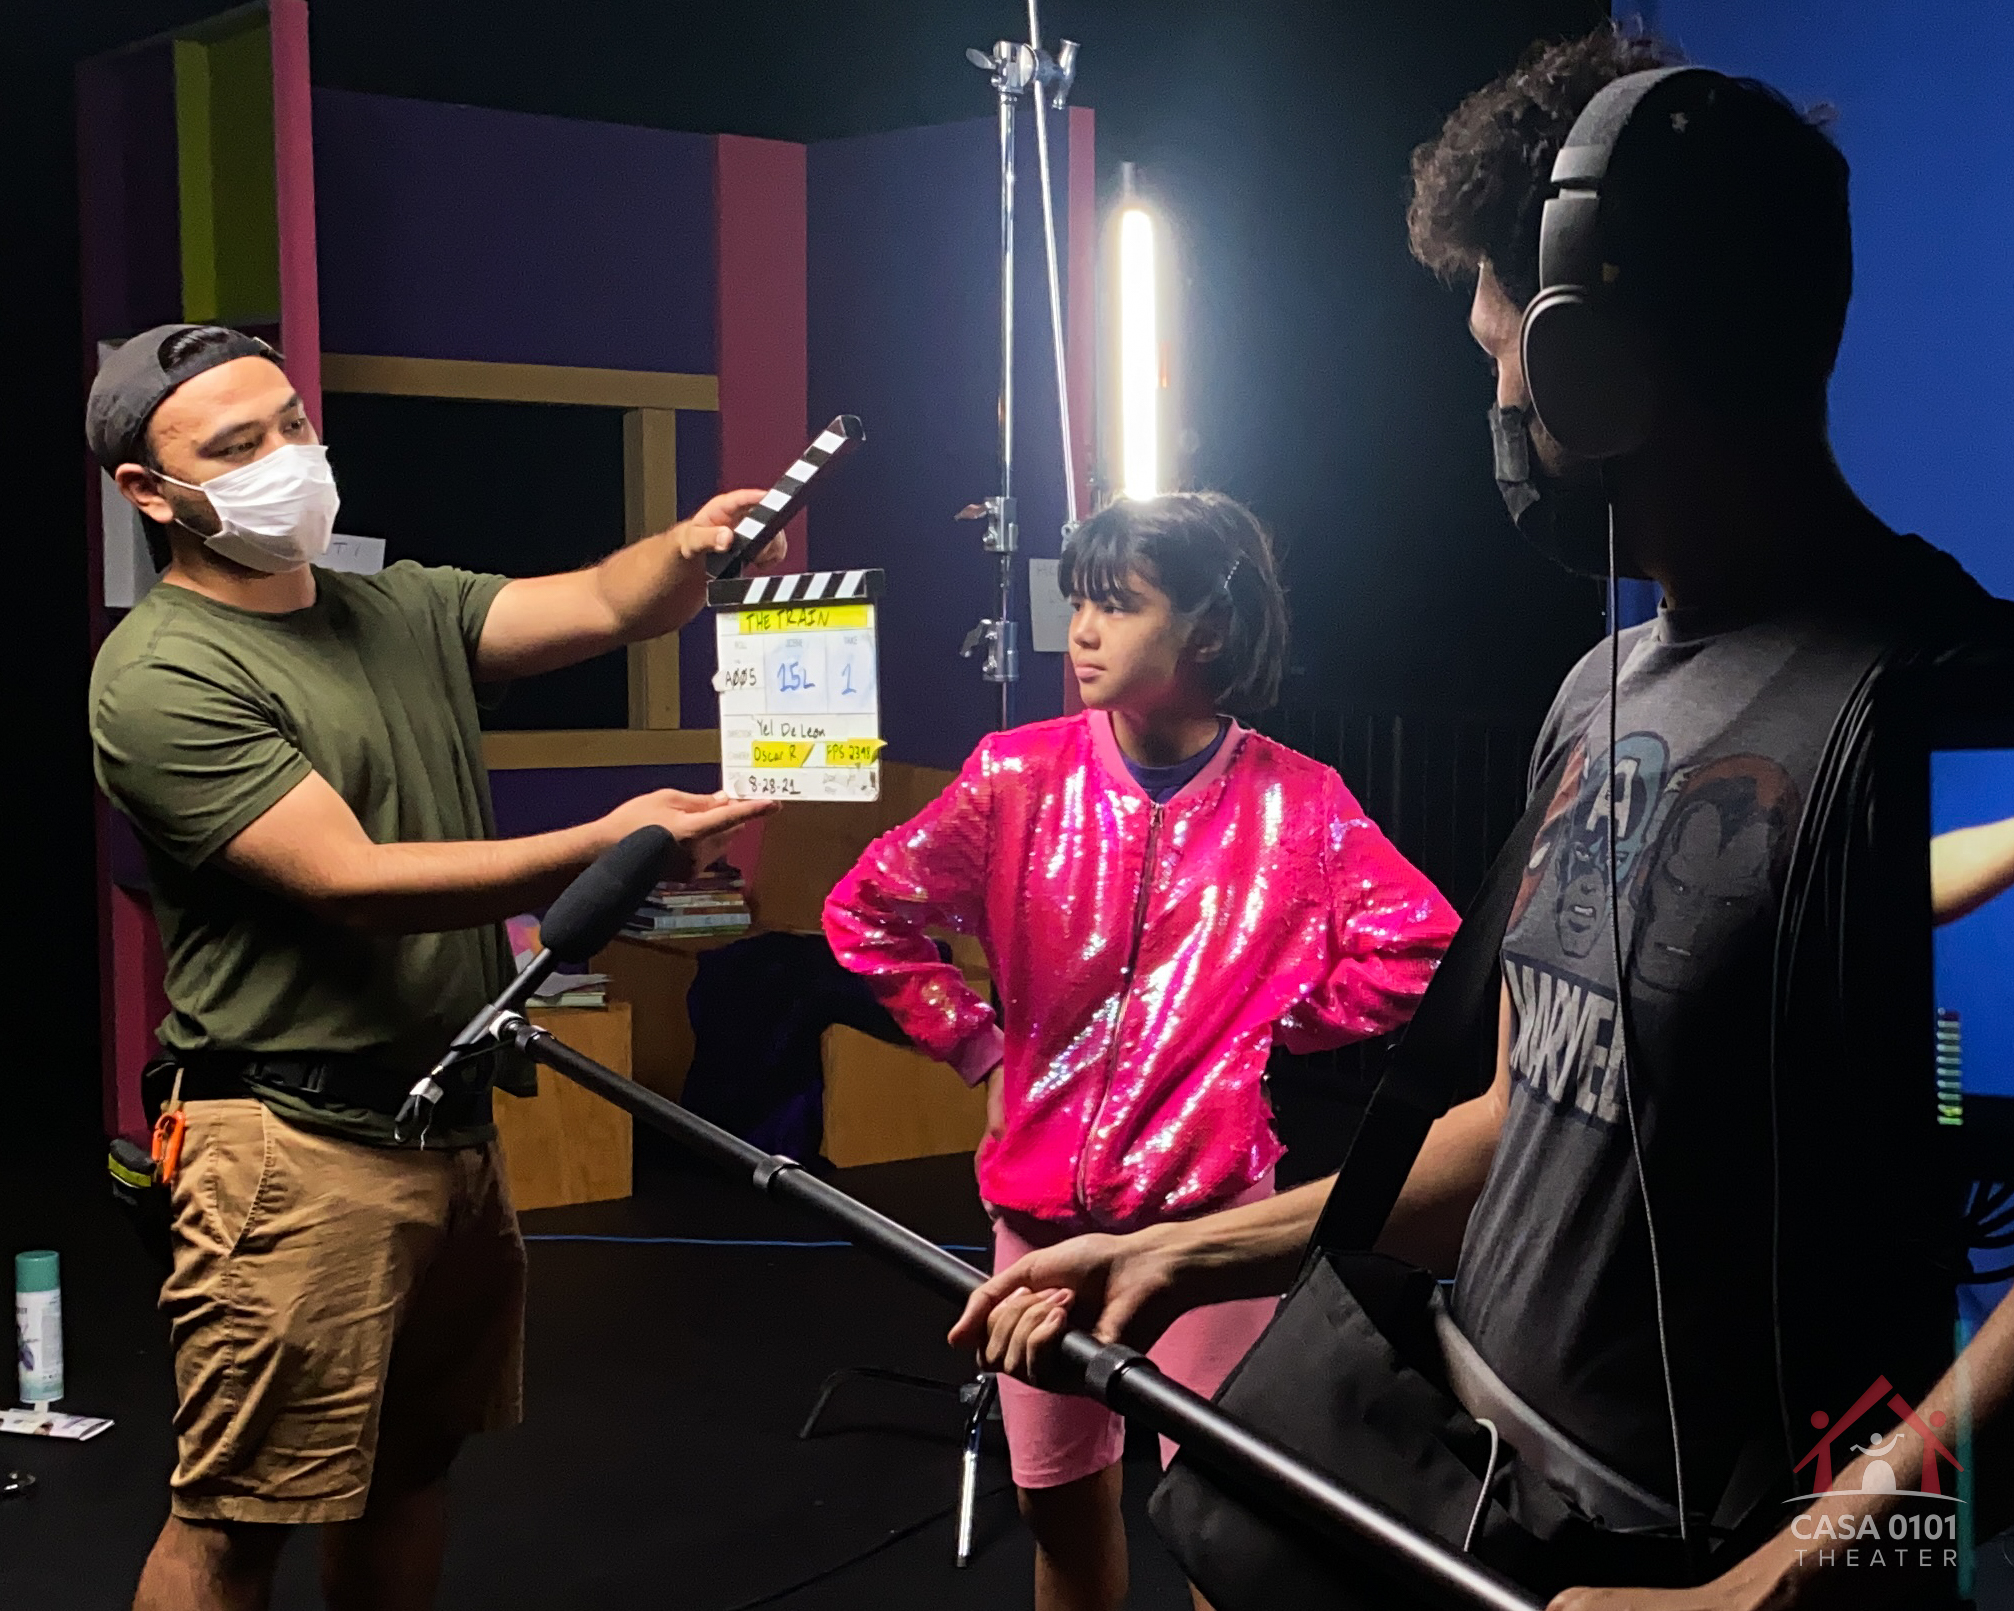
1118	1377
1015	70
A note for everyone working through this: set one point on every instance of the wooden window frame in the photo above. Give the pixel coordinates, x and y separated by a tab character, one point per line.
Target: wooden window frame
649	401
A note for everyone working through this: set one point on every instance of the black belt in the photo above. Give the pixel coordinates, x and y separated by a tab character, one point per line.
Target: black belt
335	1079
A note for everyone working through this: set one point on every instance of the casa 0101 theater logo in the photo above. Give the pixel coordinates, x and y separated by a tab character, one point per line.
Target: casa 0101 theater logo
1902	1527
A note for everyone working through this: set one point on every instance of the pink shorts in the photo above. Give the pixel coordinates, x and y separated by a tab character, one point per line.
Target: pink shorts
1054	1438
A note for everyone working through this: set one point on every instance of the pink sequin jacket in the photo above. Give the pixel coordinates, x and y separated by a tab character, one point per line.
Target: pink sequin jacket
1146	957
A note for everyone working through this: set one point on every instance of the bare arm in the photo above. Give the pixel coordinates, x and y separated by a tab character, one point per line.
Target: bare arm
310	848
1253	1252
1432	1214
1129	1288
1790	1573
1969	867
643	590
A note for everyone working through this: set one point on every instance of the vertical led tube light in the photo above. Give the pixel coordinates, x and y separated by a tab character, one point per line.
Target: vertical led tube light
1139	354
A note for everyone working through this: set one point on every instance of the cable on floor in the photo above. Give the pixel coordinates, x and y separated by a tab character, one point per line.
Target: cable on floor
868	1553
872	1550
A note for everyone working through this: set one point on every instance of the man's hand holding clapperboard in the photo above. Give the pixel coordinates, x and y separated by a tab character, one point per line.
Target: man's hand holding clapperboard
752	533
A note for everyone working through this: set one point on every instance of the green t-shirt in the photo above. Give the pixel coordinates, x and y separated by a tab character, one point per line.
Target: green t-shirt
203	715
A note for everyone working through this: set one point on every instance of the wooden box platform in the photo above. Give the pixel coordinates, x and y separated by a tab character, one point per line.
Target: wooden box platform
653	976
566	1145
884	1102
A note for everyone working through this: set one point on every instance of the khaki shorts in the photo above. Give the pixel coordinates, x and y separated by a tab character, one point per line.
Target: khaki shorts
336	1311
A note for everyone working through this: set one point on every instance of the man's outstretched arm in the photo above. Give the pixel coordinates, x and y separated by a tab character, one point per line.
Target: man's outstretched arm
310	848
1791	1572
643	590
1969	867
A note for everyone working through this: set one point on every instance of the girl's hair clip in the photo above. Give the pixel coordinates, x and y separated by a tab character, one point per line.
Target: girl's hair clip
1225	585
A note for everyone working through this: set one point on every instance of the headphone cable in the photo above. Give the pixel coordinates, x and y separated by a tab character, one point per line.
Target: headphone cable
1622	1037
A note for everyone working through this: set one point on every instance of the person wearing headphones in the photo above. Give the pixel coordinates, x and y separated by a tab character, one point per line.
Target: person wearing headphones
1605	1207
299	751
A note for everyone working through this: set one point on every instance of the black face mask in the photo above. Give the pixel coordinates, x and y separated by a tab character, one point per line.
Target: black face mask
1564	517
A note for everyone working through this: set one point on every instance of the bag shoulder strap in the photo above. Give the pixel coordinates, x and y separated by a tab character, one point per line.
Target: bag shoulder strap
1444	1043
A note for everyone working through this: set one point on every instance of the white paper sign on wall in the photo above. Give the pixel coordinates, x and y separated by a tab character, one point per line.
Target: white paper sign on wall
361	556
129	568
1048	610
799	686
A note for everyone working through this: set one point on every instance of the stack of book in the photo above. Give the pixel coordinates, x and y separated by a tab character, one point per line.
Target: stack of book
713	903
572	990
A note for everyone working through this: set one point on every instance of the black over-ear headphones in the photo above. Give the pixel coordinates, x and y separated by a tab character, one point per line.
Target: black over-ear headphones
1587	363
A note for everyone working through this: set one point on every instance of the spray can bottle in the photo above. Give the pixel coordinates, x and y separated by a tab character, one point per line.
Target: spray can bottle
38	1322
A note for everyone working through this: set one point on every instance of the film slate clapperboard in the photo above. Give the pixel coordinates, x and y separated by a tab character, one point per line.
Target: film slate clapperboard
782	501
800	708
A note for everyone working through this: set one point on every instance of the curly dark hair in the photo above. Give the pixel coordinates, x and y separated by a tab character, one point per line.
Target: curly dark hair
1736	249
1479	185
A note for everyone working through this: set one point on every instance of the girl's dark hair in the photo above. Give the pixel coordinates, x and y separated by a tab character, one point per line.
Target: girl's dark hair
1212	558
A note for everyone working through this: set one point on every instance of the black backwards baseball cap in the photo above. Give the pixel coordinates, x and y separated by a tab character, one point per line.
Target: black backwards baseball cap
137	376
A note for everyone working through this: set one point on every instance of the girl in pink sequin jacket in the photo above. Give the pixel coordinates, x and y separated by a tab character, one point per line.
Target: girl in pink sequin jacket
1146	955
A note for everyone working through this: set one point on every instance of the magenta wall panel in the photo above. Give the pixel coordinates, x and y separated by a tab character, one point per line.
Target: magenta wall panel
294	197
759	194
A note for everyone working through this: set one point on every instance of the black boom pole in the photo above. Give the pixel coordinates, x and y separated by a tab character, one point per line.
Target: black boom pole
1121	1378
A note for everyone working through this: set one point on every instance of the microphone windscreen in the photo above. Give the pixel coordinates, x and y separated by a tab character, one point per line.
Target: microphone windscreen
593	908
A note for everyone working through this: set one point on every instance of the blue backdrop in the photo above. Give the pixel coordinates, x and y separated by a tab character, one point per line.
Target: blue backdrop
1923	399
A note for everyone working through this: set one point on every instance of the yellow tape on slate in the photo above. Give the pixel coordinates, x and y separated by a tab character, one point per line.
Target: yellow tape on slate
853	751
779	754
813	618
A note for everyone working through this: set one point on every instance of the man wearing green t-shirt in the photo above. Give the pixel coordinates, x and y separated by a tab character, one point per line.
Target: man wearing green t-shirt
299	751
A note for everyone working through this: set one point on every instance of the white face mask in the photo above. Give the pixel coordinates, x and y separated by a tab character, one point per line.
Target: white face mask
277	513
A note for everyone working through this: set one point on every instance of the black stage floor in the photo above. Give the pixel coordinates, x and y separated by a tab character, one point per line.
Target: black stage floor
658	1465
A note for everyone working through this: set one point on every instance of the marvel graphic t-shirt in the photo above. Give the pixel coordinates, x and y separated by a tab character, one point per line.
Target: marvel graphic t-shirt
1719	728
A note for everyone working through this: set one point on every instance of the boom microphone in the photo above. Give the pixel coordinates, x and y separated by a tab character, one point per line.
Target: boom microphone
588	914
593	908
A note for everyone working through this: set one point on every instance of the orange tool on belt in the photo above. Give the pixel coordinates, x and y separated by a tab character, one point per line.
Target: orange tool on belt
168	1132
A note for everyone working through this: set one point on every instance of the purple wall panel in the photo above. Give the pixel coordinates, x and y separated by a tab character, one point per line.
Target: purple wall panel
458	232
542	799
129	192
904	322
